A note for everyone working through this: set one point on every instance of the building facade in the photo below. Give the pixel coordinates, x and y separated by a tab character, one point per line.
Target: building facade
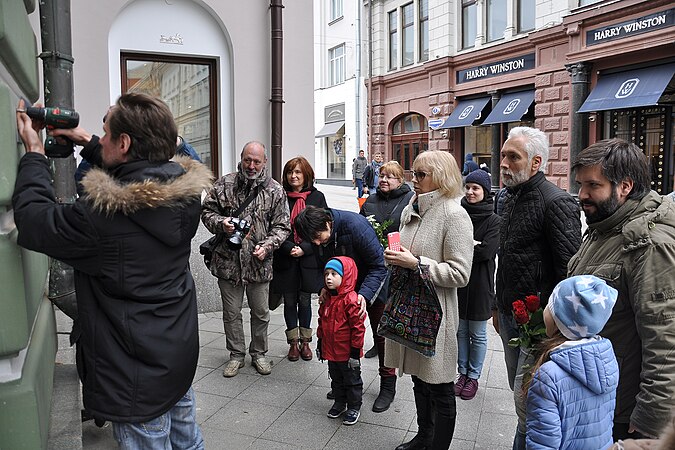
340	55
496	64
209	60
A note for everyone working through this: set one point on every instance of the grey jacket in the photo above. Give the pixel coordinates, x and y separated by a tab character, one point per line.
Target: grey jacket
360	164
634	251
270	225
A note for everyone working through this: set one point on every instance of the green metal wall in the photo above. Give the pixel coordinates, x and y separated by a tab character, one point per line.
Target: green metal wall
27	326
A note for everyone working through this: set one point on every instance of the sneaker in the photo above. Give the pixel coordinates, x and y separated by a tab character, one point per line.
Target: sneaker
232	368
351	417
469	390
336	410
459	384
262	365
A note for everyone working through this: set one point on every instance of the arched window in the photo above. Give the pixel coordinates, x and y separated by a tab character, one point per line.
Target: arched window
410	136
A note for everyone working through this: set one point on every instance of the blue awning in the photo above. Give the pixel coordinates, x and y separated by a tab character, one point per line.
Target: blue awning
466	113
510	108
630	89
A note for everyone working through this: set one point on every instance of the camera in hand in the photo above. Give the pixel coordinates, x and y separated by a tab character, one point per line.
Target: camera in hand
241	229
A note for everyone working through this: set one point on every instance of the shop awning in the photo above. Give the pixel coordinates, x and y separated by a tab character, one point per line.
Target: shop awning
510	108
630	89
330	129
466	112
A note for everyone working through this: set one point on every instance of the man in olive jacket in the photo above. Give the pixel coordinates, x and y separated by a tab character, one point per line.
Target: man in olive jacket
128	239
630	243
248	268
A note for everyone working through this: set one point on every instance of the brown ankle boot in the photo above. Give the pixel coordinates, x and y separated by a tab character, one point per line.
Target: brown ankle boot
293	351
305	351
305	339
292	336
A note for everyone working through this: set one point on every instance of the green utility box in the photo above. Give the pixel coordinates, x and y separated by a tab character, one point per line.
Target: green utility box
27	327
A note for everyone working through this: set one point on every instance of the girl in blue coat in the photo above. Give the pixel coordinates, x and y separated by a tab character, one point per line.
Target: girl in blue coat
571	397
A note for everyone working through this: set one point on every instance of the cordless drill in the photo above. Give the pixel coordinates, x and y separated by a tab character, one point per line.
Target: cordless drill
56	117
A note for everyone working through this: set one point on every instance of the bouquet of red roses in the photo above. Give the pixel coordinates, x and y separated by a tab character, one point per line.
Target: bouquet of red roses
529	316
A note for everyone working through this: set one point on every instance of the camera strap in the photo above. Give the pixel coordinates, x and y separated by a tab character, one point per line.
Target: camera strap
248	200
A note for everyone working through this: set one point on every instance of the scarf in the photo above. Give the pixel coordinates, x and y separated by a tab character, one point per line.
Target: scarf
299	205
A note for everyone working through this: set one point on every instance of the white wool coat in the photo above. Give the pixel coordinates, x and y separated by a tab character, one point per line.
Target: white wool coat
441	234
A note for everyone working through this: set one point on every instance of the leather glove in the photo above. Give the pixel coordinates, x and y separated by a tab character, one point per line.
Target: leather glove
354	363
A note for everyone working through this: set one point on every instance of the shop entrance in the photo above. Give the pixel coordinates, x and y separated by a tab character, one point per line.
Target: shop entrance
409	138
653	130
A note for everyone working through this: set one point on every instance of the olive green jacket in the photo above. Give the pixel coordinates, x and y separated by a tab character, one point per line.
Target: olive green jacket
268	215
634	251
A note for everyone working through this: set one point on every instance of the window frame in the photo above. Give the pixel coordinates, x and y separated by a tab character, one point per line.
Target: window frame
407	32
519	17
466	5
423	30
392	18
488	16
336	64
336	10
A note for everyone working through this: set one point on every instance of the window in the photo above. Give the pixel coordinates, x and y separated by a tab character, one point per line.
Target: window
526	14
408	35
424	30
335	9
337	65
188	86
469	23
409	138
393	40
496	19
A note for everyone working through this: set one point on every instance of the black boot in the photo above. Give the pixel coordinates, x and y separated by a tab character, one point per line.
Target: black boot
387	393
425	420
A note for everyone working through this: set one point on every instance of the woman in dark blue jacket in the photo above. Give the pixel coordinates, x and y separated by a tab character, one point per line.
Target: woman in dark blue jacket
295	266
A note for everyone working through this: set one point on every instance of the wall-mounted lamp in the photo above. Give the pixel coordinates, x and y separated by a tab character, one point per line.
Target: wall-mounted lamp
592	117
444	134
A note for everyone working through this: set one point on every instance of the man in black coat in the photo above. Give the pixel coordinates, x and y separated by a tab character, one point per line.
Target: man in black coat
128	240
540	231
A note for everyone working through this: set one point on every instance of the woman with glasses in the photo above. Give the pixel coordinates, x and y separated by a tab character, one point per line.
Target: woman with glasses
295	265
392	195
435	232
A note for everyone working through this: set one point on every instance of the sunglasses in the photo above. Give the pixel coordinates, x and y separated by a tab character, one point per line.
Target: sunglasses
419	174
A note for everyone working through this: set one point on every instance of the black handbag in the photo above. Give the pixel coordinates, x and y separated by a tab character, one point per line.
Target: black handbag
412	315
207	247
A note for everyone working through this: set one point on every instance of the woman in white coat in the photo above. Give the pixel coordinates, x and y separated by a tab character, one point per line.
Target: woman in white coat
436	232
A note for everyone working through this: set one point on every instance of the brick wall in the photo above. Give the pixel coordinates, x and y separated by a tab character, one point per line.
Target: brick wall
552	112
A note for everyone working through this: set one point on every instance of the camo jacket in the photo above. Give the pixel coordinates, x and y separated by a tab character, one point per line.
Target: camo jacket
268	215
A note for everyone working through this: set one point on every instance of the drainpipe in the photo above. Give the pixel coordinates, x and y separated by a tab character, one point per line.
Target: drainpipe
357	73
579	121
57	64
277	86
370	74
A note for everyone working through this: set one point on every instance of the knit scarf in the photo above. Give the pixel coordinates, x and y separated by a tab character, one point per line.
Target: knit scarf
300	204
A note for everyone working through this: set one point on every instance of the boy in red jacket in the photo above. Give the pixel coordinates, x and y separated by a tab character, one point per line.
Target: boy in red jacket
340	338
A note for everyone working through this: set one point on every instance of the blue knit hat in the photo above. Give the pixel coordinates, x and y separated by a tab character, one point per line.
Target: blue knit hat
581	306
336	265
481	178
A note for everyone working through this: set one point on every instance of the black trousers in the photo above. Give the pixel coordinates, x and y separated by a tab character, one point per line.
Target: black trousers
346	384
436	413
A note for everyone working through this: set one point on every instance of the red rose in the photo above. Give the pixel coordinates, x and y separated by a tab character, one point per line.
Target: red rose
532	302
520	312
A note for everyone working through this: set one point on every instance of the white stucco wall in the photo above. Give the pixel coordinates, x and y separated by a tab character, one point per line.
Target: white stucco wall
235	32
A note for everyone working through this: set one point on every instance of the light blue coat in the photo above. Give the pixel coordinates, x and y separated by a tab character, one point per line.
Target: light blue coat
570	403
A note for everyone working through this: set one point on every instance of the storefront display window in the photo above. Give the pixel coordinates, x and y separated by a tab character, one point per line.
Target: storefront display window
646	127
336	158
187	86
478	141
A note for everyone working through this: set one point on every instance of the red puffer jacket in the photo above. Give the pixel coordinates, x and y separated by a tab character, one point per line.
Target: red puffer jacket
340	327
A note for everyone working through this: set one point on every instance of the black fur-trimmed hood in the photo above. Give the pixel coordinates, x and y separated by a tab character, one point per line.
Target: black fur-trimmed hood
148	186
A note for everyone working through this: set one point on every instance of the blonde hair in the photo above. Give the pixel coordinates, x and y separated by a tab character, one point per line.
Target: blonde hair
392	168
443	170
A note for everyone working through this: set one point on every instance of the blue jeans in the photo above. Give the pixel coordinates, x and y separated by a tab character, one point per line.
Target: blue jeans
175	429
297	307
359	187
471	347
507	330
